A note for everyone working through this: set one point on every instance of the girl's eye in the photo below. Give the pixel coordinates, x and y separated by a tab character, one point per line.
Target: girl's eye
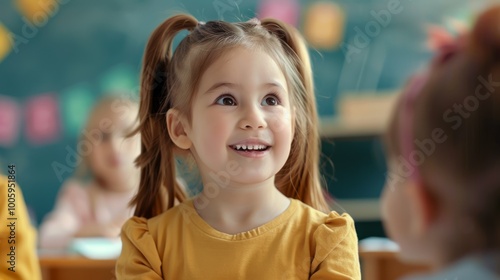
105	136
226	100
270	100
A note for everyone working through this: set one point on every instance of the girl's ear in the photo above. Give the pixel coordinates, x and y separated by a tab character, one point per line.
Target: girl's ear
423	206
176	126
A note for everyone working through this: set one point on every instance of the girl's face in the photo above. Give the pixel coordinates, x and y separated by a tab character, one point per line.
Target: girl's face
112	155
241	126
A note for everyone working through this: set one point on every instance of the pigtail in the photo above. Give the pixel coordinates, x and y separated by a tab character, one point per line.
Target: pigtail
299	177
157	161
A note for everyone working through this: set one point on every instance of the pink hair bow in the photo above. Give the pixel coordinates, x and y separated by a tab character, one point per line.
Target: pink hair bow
444	42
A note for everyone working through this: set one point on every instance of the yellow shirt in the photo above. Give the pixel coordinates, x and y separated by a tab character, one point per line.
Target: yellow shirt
18	258
301	243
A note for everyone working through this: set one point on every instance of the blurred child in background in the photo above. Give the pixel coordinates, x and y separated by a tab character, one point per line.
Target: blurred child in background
442	199
99	206
18	236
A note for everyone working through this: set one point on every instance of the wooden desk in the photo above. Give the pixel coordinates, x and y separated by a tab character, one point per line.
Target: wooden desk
385	265
74	267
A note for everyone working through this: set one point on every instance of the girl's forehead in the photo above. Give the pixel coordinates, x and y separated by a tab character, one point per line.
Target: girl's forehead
106	116
243	59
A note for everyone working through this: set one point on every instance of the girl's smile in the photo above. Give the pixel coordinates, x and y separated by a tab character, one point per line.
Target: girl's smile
253	148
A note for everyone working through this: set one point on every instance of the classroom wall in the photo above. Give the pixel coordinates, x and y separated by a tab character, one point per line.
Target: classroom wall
88	48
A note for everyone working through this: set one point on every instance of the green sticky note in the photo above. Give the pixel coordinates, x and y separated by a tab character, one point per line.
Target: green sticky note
76	103
121	79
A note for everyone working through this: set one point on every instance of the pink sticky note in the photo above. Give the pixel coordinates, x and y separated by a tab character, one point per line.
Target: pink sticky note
42	119
284	10
9	121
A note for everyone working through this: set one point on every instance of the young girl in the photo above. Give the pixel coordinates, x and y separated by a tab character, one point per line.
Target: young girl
99	208
238	99
442	200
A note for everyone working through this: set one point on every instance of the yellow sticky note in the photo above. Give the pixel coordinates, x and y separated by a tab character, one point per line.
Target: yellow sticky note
5	45
324	25
38	12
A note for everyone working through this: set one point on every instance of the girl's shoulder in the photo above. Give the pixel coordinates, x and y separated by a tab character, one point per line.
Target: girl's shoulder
173	217
332	236
327	230
315	218
146	238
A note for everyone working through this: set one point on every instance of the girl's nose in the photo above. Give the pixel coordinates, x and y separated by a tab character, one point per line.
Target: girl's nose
115	142
253	118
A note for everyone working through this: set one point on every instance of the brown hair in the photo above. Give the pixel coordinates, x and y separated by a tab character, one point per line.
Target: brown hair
170	81
456	136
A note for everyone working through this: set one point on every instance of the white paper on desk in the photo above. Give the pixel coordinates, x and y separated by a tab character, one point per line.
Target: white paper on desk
378	244
97	248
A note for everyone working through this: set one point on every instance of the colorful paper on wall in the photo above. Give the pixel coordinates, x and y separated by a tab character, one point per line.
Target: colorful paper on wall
38	12
5	45
284	10
9	121
121	79
76	103
42	119
324	25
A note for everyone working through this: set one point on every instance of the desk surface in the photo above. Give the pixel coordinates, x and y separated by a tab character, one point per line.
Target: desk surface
74	261
65	265
386	265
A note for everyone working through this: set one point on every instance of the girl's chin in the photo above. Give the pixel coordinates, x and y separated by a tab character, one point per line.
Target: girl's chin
120	175
413	255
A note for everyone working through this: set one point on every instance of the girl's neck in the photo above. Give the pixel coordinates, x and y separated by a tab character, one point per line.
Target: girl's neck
116	186
240	208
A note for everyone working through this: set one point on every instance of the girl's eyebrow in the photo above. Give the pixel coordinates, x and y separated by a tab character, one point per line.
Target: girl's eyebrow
221	84
274	84
231	85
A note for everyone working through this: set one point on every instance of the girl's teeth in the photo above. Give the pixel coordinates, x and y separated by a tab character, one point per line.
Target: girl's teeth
250	147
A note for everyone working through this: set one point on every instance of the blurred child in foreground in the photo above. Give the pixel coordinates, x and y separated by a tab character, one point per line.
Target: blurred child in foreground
441	202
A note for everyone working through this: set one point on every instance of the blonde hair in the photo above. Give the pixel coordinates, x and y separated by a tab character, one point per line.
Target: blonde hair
170	81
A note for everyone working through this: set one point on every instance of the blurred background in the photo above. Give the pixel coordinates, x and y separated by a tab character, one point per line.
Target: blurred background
54	67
